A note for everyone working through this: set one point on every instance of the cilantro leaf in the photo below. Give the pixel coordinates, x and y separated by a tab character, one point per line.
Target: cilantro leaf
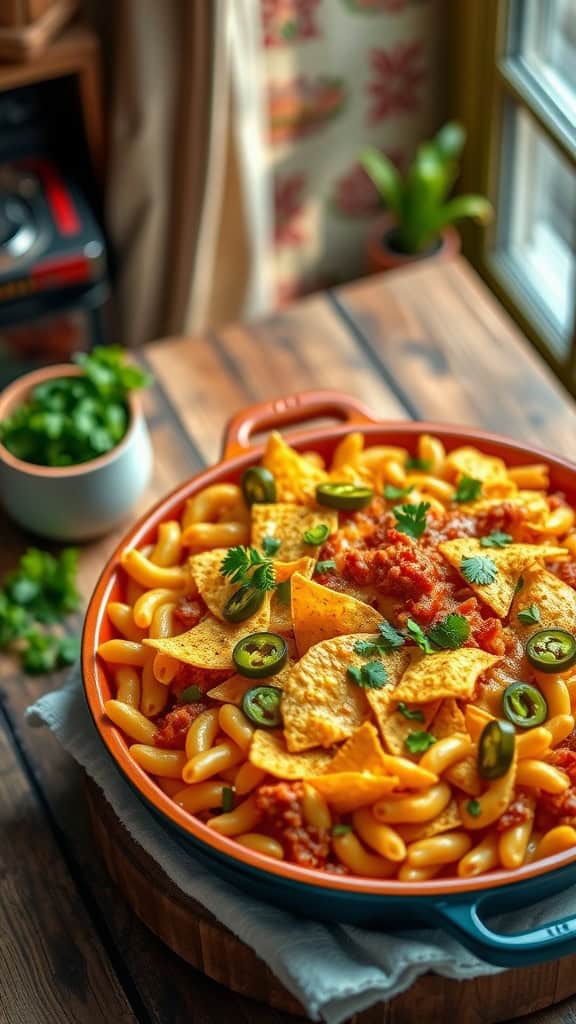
316	534
419	742
529	616
68	650
413	714
468	489
451	632
372	676
411	519
519	585
341	830
389	640
270	545
325	566
479	569
415	633
392	493
190	695
473	807
496	539
248	566
413	462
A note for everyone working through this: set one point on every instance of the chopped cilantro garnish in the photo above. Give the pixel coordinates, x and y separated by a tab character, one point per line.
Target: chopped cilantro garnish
479	569
529	616
468	489
73	419
324	566
372	676
419	742
270	546
496	539
248	566
519	585
190	695
413	714
413	462
341	830
411	519
473	807
451	633
389	640
392	493
415	633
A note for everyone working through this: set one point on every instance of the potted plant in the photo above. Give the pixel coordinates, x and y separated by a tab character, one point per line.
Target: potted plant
420	214
75	454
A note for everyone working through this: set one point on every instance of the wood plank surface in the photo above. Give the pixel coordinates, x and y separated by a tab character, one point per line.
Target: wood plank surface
423	342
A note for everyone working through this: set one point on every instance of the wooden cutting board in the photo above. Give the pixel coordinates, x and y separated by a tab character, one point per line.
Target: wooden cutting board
196	936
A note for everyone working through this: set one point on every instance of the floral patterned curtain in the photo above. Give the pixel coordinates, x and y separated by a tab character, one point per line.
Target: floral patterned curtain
341	74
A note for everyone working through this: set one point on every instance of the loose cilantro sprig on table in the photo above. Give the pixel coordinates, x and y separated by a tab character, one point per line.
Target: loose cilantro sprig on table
496	539
371	676
468	489
40	591
70	420
419	742
247	566
529	616
479	569
411	519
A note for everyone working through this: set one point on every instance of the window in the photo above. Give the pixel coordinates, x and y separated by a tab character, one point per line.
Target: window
515	89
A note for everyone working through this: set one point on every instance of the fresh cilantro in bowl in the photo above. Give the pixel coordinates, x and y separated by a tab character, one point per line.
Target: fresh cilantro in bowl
73	419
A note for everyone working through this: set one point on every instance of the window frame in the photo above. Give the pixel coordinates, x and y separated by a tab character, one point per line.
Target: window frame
484	83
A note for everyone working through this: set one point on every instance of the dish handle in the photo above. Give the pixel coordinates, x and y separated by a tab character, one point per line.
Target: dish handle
546	942
284	412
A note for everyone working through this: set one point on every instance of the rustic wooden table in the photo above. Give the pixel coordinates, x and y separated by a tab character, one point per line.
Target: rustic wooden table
426	343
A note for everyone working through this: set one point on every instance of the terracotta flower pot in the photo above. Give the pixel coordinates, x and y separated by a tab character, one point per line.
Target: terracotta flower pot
381	254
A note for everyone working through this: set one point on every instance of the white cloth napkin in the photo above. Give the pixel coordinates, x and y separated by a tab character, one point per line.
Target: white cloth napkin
334	970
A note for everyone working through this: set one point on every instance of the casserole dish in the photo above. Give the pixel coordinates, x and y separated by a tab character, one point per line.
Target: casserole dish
457	905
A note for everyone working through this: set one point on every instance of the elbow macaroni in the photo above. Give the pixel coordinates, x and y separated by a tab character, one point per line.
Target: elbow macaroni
440	815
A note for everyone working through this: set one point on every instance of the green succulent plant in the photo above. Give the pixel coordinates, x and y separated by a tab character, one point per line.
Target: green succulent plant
420	200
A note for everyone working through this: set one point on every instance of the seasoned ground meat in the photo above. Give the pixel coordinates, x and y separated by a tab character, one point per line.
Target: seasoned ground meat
567	573
174	725
281	805
189	611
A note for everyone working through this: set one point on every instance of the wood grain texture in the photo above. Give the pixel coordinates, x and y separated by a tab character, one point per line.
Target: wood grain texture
53	966
423	342
458	357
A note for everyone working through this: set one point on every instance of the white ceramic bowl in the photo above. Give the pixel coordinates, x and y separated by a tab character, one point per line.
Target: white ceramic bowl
74	503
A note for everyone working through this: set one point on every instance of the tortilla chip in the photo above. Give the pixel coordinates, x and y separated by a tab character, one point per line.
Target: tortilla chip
555	600
296	477
361	753
287	523
510	563
214	589
210	643
280	611
268	752
491	470
396	727
347	791
448	819
382	701
321	706
319	613
446	674
232	690
533	503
